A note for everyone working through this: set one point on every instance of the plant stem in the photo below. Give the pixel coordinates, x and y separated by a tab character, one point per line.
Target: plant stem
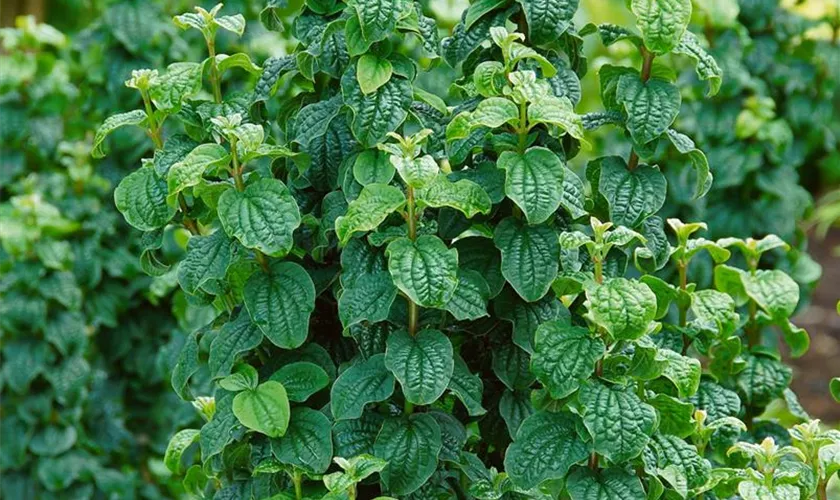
408	407
296	480
154	129
215	80
822	493
682	268
190	224
413	310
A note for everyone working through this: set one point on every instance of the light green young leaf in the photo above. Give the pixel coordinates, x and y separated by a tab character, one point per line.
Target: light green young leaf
373	205
189	171
264	409
372	72
239	60
422	363
564	356
141	198
178	444
424	269
136	117
624	308
416	172
180	81
620	423
684	372
410	446
464	195
706	66
264	216
545	447
280	302
557	111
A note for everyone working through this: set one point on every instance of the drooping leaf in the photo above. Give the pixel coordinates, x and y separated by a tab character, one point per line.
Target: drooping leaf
662	22
371	208
620	423
301	379
379	112
530	257
564	355
365	382
424	269
624	308
264	409
307	442
141	197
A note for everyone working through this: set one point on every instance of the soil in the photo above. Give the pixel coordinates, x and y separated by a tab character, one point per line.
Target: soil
814	370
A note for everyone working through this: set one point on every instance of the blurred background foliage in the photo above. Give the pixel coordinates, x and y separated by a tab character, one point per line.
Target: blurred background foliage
75	300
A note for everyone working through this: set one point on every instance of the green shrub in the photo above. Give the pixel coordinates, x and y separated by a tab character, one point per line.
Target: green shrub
86	340
422	301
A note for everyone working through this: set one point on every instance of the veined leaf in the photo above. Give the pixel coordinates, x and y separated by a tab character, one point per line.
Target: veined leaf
425	269
365	382
410	446
264	409
280	301
530	256
373	205
564	355
141	197
423	364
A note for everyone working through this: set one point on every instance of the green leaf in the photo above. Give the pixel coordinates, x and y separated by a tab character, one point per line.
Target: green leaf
675	458
378	18
717	401
684	372
178	444
651	106
280	302
236	337
264	216
514	408
773	290
467	387
424	269
207	258
239	60
141	198
181	80
749	490
372	72
469	302
530	257
373	166
301	379
620	423
662	22
307	443
373	205
189	171
564	356
548	19
624	308
510	364
527	316
379	112
606	484
545	447
464	195
763	379
416	172
834	388
264	409
313	120
631	195
535	181
136	117
422	363
368	299
410	446
559	112
365	382
706	66
675	416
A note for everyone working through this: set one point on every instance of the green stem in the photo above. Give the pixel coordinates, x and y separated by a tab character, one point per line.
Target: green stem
522	130
215	80
351	492
408	407
682	268
154	129
413	309
822	490
296	480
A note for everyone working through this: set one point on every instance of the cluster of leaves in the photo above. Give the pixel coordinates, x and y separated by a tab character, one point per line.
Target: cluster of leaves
772	132
87	339
422	301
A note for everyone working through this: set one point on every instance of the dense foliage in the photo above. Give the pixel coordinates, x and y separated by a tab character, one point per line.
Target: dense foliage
773	129
87	338
422	300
